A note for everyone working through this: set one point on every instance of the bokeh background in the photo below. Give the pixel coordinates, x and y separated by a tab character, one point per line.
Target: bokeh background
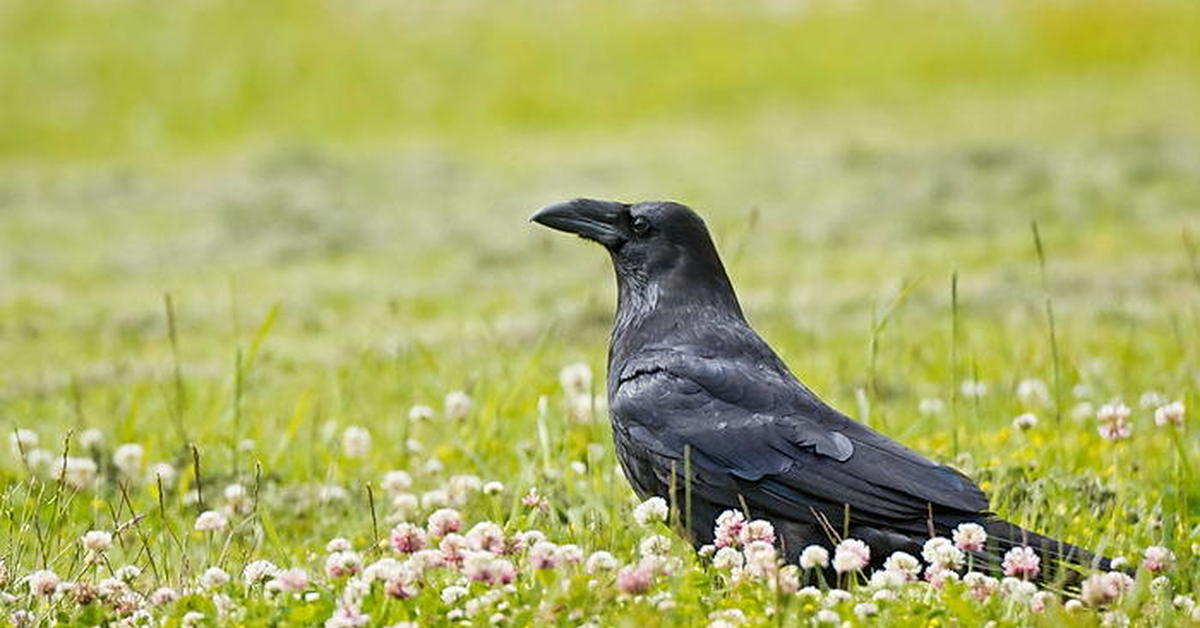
338	193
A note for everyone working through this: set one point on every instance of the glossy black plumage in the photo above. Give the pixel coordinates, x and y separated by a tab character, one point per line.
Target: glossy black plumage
702	405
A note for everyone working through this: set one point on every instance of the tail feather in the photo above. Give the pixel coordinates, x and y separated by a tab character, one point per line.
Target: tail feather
1060	561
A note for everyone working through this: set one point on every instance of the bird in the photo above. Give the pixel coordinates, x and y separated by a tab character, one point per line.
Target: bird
707	416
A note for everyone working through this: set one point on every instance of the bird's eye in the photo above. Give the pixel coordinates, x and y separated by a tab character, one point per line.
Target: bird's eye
641	226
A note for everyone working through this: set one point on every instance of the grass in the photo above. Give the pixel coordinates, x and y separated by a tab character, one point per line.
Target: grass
231	268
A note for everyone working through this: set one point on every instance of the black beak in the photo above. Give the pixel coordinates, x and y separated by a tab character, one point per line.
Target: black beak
599	221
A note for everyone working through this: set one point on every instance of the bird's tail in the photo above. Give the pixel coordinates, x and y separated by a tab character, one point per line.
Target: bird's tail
1060	561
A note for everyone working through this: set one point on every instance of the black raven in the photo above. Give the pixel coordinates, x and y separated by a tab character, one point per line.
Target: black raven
706	415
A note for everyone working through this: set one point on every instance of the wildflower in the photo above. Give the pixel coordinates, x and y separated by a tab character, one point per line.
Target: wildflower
634	580
356	442
729	528
569	554
108	588
576	379
382	569
851	555
404	505
543	555
214	578
653	510
654	545
127	573
889	578
1082	411
533	500
1158	559
444	521
941	552
237	499
128	458
294	579
437	498
1151	399
970	537
1114	421
1040	601
43	582
814	556
761	558
931	406
826	616
41	462
78	473
453	593
600	561
973	388
457	405
419	413
757	530
903	563
492	488
981	586
162	472
402	587
22	442
97	541
395	482
338	544
163	595
91	438
486	536
1025	422
347	617
1033	392
863	610
728	558
454	547
192	618
1022	562
1105	588
342	563
258	571
211	521
1073	606
1170	414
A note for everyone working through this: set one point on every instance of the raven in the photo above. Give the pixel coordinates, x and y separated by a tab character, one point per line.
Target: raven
706	415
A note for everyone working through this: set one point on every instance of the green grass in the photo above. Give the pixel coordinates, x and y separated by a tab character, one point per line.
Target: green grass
334	197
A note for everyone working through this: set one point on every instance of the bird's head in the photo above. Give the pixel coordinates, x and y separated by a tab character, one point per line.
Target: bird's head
660	249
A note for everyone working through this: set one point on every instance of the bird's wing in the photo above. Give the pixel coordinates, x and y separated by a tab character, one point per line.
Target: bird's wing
782	446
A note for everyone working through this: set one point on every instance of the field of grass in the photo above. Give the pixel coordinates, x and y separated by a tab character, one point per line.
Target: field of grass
232	235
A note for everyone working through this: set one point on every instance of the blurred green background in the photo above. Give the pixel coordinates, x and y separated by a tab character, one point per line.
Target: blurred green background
368	167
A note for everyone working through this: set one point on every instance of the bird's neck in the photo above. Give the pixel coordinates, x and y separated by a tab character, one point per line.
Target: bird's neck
672	306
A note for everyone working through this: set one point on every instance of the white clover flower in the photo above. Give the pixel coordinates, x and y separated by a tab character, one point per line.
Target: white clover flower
42	463
973	388
237	497
1083	411
1033	392
851	555
654	545
294	579
78	473
128	458
1158	559
454	593
97	541
826	616
569	554
1151	399
330	493
356	442
903	563
163	595
211	521
258	571
127	573
444	521
576	379
338	544
1114	421
458	405
404	505
651	511
22	442
1025	422
728	558
941	553
931	406
162	471
43	582
889	578
1169	414
191	619
214	578
863	610
1022	562
814	556
970	537
600	561
420	413
396	482
492	488
91	438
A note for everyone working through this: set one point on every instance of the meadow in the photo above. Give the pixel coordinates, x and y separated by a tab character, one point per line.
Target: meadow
268	292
